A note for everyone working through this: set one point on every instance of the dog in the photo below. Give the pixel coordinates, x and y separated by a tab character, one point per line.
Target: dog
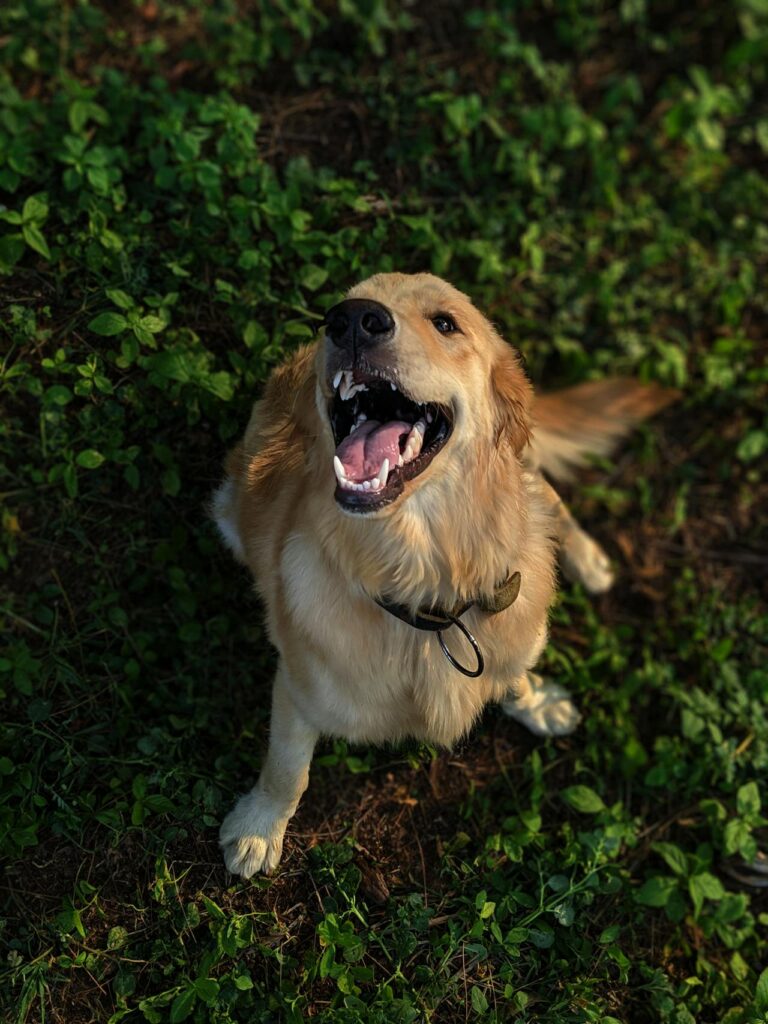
389	499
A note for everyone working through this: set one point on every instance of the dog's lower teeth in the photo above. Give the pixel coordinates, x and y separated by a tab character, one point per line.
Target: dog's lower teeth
414	442
376	484
338	469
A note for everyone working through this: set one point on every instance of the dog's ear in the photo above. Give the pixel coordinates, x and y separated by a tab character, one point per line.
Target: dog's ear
282	423
290	392
514	397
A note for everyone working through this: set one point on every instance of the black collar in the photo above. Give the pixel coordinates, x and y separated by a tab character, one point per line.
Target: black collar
435	619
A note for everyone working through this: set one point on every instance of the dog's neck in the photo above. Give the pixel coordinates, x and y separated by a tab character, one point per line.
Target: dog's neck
427	549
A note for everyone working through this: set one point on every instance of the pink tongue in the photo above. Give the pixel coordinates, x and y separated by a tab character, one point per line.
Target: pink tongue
363	452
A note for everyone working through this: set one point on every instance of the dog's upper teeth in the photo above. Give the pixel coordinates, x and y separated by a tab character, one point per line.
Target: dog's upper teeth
430	417
347	387
337	379
392	386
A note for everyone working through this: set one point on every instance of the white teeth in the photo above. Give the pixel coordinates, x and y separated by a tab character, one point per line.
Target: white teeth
360	419
430	417
392	386
347	388
365	485
337	379
414	441
400	461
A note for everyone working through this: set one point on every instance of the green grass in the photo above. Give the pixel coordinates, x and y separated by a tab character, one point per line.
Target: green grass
186	187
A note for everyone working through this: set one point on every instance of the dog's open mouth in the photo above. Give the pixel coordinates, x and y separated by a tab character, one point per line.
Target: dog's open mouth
383	438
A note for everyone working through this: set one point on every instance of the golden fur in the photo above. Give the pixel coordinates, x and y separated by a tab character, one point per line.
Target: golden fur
479	511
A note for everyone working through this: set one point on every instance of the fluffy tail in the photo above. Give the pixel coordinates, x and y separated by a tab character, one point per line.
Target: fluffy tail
590	419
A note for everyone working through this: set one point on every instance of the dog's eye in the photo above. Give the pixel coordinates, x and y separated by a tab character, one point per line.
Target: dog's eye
444	323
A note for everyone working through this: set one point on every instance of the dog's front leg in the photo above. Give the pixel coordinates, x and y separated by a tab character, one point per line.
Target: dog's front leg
252	833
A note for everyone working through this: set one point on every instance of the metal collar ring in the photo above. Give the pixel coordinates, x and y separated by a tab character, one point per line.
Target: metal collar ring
472	673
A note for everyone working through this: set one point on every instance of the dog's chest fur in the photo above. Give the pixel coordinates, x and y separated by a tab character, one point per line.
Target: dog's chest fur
360	673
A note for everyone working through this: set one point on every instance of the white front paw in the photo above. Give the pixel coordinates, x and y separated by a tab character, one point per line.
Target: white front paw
251	835
546	709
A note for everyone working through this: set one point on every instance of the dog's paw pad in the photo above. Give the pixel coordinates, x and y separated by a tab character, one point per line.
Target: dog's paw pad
546	711
251	836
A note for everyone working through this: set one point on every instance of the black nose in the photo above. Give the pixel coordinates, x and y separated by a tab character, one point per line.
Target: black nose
359	323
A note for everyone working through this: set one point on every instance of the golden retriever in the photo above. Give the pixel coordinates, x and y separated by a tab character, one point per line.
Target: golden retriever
389	501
